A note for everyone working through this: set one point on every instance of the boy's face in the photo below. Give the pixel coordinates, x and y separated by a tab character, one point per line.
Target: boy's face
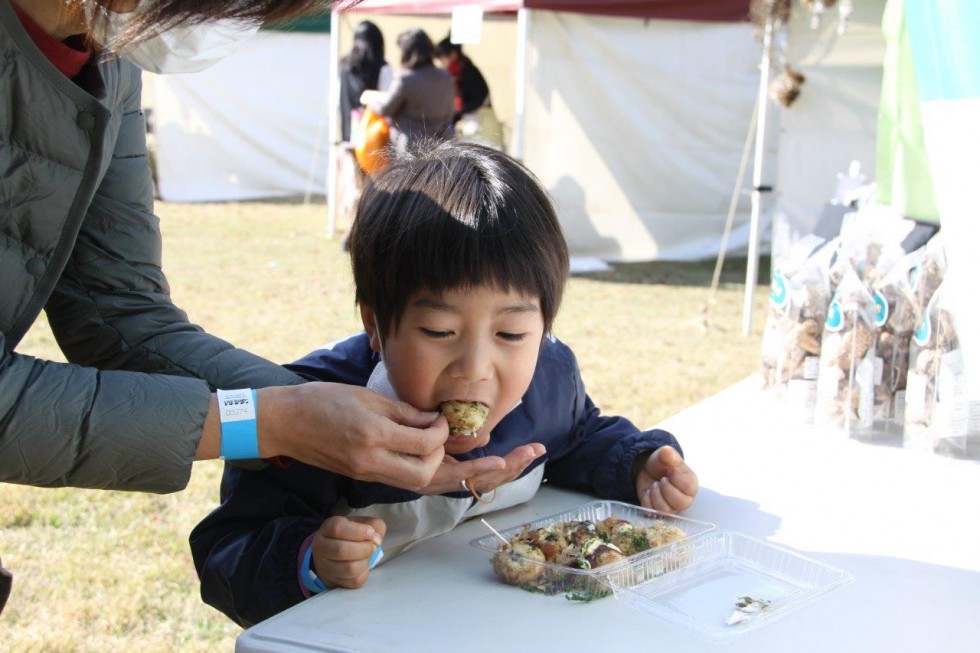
476	344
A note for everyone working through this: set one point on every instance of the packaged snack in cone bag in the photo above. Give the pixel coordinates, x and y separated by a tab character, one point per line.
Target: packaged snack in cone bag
798	301
871	240
930	273
848	370
939	415
896	318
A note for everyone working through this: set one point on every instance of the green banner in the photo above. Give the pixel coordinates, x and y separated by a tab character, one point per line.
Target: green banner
316	23
903	177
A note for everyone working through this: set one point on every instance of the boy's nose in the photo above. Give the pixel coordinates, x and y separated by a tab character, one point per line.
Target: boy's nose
474	362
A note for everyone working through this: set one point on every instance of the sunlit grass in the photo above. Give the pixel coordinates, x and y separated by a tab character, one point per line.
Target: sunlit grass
109	571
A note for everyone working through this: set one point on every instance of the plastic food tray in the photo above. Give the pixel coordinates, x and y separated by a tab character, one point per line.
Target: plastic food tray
588	584
696	583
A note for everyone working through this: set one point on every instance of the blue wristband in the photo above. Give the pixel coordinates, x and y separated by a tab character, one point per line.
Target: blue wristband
239	429
313	583
310	579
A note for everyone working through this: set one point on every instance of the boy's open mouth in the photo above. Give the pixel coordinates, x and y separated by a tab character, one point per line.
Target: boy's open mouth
465	417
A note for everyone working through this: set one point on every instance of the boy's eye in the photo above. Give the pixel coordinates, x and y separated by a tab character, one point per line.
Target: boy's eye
435	333
511	337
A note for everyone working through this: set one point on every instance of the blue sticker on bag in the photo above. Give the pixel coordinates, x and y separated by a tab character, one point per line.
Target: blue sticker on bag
778	292
835	317
924	332
881	309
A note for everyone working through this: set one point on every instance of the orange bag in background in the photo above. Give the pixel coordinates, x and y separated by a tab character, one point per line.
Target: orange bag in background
372	141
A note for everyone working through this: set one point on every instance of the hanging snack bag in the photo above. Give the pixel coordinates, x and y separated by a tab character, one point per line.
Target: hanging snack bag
847	371
798	300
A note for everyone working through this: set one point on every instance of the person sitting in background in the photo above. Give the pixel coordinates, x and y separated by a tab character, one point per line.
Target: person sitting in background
474	120
363	69
420	99
459	267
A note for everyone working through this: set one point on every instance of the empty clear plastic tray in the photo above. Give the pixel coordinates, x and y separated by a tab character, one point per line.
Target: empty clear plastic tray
695	584
587	584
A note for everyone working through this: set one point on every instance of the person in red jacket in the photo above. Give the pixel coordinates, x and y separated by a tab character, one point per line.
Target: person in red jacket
474	120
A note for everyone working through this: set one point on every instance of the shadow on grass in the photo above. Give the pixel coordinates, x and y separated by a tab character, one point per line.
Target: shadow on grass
681	273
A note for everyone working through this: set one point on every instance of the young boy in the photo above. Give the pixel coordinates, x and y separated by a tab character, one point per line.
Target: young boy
459	267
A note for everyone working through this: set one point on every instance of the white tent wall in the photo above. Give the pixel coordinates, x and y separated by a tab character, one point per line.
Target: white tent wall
637	129
835	118
246	128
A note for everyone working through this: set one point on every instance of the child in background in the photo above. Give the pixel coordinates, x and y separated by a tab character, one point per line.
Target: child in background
459	266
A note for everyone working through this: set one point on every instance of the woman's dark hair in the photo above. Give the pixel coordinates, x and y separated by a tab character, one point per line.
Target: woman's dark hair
417	49
367	54
445	47
446	215
160	15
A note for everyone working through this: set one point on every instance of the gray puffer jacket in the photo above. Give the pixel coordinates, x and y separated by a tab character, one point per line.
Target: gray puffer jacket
78	238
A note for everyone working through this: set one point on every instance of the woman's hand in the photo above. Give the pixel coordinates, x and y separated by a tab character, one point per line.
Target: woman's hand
352	431
483	474
342	548
665	482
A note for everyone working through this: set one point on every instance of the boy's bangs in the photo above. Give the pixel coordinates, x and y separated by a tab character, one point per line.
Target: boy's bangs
487	252
470	218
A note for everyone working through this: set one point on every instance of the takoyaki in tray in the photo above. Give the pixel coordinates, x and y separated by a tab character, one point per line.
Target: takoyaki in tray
573	553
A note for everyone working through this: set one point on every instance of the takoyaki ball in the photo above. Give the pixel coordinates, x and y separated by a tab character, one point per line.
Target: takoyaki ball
631	542
568	555
517	564
578	532
609	526
660	533
623	534
596	553
550	540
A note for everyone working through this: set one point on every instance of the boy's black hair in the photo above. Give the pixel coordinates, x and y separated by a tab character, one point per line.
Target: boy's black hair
447	215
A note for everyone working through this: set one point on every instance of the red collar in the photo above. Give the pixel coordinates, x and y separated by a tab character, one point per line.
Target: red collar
69	59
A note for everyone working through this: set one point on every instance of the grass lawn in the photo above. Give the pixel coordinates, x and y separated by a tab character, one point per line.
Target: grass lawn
111	571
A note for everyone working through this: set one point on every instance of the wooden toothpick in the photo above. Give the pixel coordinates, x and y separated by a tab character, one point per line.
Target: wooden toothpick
502	538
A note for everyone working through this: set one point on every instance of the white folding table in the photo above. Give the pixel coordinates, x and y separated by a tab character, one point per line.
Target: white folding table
904	523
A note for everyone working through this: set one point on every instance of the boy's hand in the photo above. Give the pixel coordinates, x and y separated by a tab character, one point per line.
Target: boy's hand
665	482
484	474
342	548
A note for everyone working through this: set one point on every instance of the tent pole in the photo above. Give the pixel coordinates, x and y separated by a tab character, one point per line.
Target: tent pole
520	81
333	124
752	266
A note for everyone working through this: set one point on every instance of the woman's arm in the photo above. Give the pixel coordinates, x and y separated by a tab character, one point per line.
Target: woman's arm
395	99
111	309
66	425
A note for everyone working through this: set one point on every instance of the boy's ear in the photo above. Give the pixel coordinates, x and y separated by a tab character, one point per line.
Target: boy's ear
371	327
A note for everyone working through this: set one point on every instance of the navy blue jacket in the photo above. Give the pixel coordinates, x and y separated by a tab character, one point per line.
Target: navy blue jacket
248	550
